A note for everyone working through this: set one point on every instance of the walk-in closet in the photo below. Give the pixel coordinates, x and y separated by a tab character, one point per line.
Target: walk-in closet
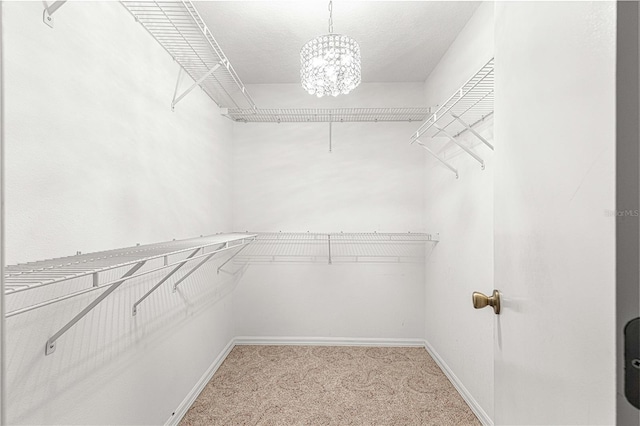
319	213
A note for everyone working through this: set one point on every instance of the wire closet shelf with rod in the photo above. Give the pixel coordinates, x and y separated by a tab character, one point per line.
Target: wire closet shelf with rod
338	247
36	285
180	30
460	113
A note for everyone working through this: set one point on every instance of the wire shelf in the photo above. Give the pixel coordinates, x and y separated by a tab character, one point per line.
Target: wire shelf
179	29
467	107
337	248
55	280
337	115
473	102
32	275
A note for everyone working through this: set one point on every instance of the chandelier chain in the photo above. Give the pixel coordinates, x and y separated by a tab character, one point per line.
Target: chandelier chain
330	17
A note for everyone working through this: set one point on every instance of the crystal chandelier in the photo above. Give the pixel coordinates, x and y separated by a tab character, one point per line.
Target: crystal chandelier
330	63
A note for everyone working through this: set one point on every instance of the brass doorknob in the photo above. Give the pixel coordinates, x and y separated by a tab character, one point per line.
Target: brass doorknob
481	300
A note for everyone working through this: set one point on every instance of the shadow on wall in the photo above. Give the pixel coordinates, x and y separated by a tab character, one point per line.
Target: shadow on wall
106	341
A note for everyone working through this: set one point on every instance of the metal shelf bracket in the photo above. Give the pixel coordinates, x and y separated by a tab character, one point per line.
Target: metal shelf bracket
193	86
472	130
465	149
468	106
51	343
437	157
49	10
202	262
94	266
173	271
229	259
178	27
225	246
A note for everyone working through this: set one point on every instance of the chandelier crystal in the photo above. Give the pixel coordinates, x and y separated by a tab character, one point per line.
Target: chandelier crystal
330	63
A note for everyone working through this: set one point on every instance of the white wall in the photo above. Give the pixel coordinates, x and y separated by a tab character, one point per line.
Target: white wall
96	160
285	179
338	301
461	210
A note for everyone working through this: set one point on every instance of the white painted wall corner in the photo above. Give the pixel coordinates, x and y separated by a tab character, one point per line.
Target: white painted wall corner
462	390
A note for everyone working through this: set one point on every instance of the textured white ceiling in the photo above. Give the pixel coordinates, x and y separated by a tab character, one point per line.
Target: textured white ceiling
400	41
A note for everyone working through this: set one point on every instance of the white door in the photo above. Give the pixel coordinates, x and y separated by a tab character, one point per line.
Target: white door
554	347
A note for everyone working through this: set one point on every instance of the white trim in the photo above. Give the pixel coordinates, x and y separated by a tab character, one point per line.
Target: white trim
326	341
462	390
193	394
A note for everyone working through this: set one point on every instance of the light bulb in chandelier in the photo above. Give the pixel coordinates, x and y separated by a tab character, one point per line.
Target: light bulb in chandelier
330	63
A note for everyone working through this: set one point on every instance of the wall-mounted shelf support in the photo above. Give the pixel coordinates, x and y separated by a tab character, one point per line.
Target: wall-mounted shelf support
89	268
472	130
51	343
225	246
49	10
180	30
454	140
173	271
175	286
437	157
193	86
202	262
229	259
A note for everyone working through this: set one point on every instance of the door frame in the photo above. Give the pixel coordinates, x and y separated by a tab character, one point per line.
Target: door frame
3	410
627	191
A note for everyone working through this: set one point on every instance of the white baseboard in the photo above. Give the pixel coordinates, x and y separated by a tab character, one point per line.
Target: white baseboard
326	341
462	390
193	394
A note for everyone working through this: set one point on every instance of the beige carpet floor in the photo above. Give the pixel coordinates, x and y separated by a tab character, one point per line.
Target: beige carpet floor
329	385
